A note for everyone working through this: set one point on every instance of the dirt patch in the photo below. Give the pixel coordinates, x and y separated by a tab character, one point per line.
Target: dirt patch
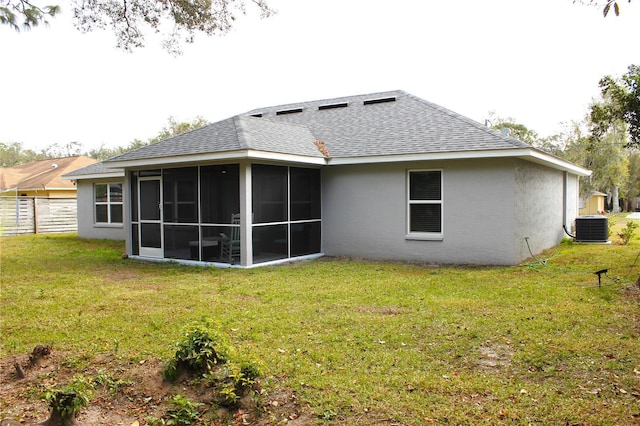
382	310
494	355
137	392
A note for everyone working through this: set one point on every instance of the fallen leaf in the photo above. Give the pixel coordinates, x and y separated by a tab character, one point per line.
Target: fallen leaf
136	423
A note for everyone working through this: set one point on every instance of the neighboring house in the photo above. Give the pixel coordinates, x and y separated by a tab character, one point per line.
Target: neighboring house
42	178
35	199
594	203
379	176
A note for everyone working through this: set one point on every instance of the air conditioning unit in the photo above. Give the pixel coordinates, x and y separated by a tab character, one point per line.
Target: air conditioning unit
592	229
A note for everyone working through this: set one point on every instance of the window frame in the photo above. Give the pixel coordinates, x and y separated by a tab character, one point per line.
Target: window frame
415	235
108	203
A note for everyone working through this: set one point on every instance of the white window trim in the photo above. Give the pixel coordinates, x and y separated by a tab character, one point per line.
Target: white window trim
424	236
107	203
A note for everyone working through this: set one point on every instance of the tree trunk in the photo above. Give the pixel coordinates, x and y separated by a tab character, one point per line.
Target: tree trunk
615	200
56	417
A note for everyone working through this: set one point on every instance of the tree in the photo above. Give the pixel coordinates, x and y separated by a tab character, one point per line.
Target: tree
131	19
551	144
172	128
621	102
58	150
31	14
631	190
516	130
175	128
608	4
616	8
13	154
604	156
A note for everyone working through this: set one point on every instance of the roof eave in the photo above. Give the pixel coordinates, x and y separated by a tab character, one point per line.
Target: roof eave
529	154
247	154
541	157
102	175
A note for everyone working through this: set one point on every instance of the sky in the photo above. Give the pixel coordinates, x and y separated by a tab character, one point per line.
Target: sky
536	61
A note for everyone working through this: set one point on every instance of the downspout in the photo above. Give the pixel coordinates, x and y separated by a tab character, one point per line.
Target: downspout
565	202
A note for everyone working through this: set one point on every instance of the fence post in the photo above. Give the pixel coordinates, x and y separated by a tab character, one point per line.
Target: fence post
35	215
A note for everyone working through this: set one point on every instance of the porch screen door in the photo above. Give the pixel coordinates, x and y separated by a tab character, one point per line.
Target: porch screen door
150	203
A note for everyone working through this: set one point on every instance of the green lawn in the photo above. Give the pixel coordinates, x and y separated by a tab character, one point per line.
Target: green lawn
359	342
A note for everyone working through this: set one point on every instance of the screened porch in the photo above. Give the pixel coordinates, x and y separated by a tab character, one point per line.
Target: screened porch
195	213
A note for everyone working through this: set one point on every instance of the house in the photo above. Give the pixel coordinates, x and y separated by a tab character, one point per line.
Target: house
42	178
381	176
594	203
101	201
35	199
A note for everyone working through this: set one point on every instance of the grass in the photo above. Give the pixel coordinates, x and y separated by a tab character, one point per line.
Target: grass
358	341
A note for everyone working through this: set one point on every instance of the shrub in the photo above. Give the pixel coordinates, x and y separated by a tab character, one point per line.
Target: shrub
185	412
234	379
627	232
206	351
199	351
65	402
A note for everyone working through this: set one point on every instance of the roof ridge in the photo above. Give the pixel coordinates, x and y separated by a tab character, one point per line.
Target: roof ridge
241	131
323	101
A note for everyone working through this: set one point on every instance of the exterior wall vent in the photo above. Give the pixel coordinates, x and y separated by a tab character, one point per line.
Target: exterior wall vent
592	229
289	111
333	106
379	101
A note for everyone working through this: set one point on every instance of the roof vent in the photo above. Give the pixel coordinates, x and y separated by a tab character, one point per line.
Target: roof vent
289	111
379	101
505	131
257	115
54	166
333	106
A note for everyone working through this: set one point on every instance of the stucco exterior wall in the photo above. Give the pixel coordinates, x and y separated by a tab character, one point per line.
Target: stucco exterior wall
86	226
541	207
365	212
573	203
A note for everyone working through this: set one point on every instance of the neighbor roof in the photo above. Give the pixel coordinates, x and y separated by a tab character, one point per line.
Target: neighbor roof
42	174
384	126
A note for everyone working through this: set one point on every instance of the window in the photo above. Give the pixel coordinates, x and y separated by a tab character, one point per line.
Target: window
425	202
108	202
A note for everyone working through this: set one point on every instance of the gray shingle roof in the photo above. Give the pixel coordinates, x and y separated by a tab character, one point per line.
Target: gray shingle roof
216	137
378	124
404	124
93	169
233	134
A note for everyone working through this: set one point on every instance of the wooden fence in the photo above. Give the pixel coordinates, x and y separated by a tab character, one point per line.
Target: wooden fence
34	215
